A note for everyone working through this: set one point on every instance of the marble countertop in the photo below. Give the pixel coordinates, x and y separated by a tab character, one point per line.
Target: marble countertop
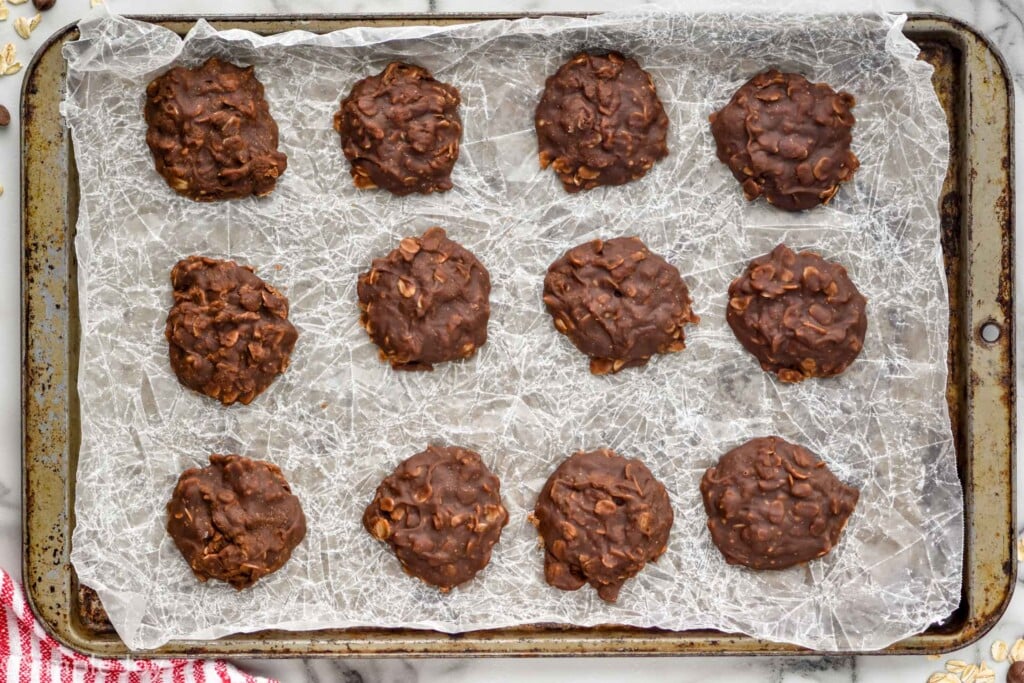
1001	20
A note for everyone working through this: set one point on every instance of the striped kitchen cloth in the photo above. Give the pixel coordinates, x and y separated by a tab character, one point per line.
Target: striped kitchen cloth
29	655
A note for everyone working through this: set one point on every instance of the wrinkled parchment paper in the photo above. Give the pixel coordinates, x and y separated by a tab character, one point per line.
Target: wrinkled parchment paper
339	419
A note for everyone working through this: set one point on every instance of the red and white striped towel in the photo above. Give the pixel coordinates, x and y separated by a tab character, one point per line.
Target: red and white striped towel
29	655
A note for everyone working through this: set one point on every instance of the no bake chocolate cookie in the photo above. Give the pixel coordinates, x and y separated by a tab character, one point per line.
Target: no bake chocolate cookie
441	513
772	504
235	520
800	315
600	122
228	330
211	132
601	517
787	139
426	302
400	131
618	303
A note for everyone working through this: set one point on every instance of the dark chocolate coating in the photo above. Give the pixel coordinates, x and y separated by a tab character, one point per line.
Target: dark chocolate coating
211	132
1016	673
602	517
800	315
400	130
772	504
441	513
5	117
235	520
426	302
788	139
618	303
228	330
600	122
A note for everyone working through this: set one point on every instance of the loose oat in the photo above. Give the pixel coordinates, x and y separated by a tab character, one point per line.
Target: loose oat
24	26
1017	650
985	674
95	3
970	674
1020	547
1000	650
4	11
18	2
956	666
8	55
943	677
1	190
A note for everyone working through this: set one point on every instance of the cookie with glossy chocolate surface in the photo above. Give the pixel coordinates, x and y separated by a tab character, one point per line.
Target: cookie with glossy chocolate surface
235	520
426	302
600	122
799	314
441	513
400	131
211	132
787	139
228	331
618	303
772	504
601	517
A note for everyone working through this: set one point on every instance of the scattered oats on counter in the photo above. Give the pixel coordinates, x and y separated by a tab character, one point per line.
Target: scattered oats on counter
8	63
956	666
17	2
1017	650
24	26
95	3
4	11
1	190
969	674
1020	547
959	671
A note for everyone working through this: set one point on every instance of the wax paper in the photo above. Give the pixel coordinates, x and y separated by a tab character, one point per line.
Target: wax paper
339	420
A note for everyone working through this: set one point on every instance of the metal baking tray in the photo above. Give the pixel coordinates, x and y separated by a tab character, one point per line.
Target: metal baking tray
977	208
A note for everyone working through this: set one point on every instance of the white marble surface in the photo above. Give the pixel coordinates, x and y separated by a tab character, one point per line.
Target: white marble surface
1001	20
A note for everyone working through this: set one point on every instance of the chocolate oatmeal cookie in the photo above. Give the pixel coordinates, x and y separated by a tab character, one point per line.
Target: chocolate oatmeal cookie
601	518
441	513
235	520
800	315
772	504
618	303
787	139
426	302
211	132
228	330
400	130
600	122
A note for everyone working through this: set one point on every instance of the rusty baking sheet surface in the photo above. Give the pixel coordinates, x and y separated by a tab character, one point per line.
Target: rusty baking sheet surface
977	211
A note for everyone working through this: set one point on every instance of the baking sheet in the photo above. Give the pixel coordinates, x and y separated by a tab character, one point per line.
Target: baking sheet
339	420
